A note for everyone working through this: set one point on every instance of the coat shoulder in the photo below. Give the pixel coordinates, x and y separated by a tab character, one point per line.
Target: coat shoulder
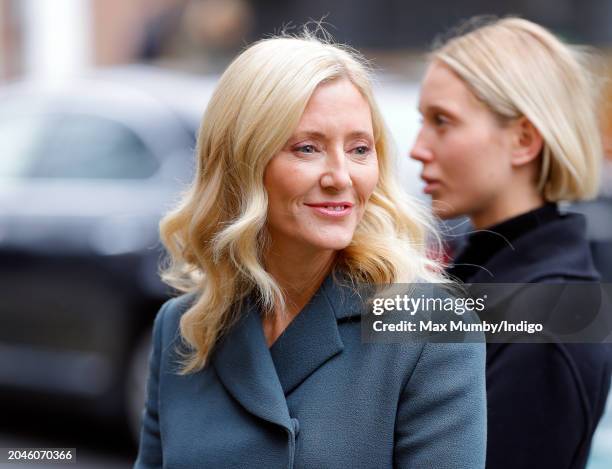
169	315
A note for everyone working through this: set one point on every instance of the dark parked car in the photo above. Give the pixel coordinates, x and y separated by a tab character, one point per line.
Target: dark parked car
85	173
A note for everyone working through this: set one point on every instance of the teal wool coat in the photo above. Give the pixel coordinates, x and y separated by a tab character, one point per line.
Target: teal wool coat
318	398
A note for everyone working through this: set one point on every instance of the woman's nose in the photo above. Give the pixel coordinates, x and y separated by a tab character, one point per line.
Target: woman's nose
337	172
420	151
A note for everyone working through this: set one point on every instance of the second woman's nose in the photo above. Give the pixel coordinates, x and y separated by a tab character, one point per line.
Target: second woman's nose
420	150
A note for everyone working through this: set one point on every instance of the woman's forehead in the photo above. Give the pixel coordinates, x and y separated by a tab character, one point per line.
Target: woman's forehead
443	89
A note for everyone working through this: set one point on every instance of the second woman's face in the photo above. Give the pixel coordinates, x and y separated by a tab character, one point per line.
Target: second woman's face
319	183
464	149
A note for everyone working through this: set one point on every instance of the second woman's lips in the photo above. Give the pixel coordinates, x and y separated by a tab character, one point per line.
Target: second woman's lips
430	184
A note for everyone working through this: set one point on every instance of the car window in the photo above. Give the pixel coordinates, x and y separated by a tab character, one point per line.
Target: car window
72	146
20	136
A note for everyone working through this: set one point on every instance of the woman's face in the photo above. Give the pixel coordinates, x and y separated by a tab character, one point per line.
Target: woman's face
319	183
465	151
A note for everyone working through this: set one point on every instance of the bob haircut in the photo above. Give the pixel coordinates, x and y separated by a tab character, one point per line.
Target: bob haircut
518	68
216	237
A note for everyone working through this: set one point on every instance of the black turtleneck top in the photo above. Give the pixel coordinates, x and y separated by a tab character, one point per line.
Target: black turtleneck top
483	244
544	400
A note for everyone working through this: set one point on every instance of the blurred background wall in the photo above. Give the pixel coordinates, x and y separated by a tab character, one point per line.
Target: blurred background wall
49	38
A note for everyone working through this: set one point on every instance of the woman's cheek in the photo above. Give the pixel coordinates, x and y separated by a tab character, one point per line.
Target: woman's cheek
370	179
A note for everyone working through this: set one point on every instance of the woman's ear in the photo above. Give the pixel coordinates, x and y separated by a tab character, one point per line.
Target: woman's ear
528	142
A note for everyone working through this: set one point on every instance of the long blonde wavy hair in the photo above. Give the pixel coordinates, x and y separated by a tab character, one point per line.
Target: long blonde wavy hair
216	236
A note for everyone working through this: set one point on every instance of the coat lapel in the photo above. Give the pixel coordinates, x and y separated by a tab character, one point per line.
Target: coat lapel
244	365
260	378
310	340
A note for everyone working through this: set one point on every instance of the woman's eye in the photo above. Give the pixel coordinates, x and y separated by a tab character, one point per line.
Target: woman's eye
306	149
439	119
361	150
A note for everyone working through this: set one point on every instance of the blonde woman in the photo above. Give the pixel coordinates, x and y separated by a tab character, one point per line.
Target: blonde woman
509	129
261	364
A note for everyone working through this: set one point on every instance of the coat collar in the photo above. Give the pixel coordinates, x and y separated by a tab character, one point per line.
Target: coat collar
244	366
260	378
554	250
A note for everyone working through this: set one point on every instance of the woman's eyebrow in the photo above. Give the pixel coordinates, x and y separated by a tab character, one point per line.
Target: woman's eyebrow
321	136
361	134
437	108
308	134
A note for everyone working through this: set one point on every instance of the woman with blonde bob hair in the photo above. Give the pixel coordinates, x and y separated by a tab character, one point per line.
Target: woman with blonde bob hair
509	129
294	201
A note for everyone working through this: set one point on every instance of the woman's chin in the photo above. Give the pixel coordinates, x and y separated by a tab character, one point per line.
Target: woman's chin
332	243
444	211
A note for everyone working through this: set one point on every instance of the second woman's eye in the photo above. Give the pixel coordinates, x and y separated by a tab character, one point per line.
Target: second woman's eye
440	119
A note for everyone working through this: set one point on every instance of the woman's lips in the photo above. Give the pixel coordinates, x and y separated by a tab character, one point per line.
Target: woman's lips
431	185
332	209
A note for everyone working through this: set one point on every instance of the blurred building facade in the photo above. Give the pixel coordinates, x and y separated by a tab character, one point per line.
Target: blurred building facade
39	36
